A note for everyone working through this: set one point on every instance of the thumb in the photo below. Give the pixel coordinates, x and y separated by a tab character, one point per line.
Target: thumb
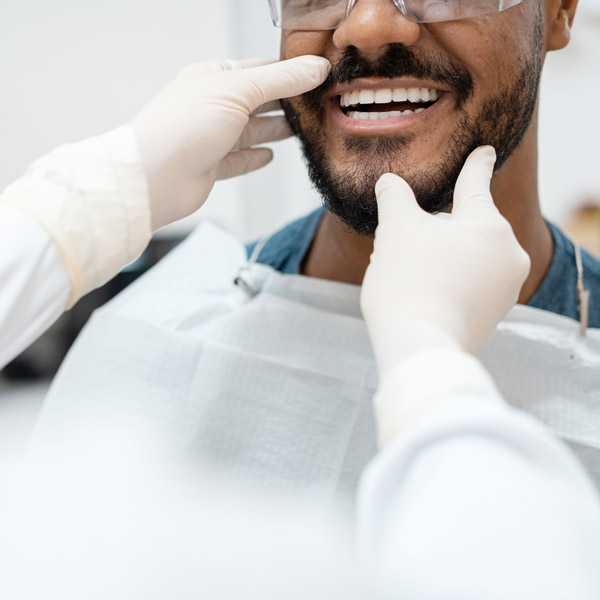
472	190
284	79
395	199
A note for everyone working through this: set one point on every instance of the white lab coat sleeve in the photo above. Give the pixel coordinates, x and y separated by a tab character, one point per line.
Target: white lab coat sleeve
35	282
92	198
472	499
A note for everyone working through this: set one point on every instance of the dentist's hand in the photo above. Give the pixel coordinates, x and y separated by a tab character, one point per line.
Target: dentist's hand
100	199
440	280
204	125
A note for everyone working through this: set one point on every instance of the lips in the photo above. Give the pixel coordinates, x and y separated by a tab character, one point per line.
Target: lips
362	105
367	100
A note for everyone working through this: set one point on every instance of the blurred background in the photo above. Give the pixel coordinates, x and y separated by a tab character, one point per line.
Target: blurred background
73	69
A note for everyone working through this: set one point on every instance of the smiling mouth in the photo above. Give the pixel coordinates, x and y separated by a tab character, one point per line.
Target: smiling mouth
377	105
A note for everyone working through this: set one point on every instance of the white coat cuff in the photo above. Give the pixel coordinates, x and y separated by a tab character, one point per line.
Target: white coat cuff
92	198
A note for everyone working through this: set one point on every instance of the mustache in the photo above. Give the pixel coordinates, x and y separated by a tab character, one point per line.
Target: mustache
397	61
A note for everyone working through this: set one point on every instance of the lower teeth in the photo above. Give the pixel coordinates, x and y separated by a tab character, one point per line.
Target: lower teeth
381	116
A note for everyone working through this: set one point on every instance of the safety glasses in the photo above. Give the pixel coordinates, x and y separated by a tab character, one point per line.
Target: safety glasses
329	14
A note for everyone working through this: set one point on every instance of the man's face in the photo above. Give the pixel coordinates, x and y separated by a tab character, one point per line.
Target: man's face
465	83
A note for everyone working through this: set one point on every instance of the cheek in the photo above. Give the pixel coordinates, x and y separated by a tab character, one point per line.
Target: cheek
492	47
298	43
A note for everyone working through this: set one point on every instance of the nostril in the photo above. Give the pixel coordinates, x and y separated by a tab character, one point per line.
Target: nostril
369	27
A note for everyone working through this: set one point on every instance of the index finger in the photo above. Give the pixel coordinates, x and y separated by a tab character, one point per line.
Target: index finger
284	79
472	197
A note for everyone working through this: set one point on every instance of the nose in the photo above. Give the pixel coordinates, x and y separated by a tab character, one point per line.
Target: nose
374	24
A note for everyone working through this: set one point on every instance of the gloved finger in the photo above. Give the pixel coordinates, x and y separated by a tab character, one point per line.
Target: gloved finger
261	130
472	197
395	199
283	79
268	107
241	162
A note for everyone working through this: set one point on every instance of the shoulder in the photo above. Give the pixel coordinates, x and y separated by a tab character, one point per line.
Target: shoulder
285	249
558	291
591	281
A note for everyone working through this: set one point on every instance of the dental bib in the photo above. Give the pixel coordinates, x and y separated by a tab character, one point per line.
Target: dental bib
271	381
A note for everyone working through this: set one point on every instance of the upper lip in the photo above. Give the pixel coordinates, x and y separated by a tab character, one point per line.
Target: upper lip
377	83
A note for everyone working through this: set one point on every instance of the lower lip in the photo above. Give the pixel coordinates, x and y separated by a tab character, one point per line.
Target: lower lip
383	126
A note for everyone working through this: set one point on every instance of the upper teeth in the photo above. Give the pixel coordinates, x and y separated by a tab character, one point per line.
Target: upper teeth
412	94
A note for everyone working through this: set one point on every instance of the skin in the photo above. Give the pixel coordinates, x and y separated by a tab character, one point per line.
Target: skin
488	47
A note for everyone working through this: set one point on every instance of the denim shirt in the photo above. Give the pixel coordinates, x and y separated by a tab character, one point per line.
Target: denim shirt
285	250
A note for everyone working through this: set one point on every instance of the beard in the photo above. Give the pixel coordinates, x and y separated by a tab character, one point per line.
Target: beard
501	122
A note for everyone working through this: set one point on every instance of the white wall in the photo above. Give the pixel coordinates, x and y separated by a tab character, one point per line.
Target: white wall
70	69
570	117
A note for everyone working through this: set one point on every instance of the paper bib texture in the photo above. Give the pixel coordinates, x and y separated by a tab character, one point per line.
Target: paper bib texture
276	386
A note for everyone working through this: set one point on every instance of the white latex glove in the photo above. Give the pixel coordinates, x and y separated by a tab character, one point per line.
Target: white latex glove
92	199
100	199
203	126
440	281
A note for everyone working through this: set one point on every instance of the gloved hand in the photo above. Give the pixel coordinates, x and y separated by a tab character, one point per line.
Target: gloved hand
440	281
203	126
100	204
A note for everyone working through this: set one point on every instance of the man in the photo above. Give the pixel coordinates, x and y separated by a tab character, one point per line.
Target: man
273	379
485	73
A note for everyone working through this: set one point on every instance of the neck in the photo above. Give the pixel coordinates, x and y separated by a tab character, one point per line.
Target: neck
342	255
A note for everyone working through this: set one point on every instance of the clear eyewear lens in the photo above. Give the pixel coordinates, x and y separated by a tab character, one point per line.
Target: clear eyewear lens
308	14
329	14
